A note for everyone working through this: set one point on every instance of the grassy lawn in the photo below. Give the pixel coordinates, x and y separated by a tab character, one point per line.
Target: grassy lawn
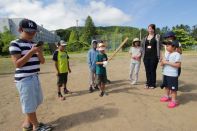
6	66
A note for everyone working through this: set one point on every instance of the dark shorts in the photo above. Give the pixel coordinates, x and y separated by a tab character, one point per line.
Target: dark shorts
101	79
62	79
170	82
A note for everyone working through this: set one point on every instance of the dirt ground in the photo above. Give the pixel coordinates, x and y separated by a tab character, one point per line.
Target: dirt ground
126	108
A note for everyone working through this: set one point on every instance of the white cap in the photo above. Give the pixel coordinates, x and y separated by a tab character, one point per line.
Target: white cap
62	43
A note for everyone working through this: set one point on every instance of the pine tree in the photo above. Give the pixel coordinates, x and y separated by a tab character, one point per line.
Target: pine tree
73	36
89	30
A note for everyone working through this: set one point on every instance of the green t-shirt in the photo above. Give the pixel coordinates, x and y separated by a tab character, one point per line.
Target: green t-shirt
62	60
99	68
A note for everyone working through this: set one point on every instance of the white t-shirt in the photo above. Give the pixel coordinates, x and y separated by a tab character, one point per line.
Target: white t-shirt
135	51
173	58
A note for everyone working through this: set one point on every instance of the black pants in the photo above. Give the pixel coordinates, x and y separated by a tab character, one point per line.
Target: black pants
150	65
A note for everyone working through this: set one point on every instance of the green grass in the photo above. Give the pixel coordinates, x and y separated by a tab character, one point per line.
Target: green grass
6	66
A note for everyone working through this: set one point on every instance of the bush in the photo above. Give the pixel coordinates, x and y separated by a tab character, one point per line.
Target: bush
46	49
77	46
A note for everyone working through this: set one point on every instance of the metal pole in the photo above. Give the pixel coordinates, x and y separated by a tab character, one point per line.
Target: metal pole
140	34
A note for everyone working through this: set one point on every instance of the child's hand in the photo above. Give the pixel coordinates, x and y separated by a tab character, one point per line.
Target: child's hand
164	62
105	63
34	49
160	59
161	63
40	50
138	58
134	57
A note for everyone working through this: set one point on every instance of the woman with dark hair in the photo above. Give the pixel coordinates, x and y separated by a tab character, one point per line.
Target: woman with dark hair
151	45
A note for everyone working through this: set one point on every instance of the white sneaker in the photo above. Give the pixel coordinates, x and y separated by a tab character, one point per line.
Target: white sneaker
133	83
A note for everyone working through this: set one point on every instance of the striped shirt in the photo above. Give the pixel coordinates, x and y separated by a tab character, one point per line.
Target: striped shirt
22	47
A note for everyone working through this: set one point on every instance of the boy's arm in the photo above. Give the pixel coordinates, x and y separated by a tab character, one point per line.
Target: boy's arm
89	59
176	64
41	56
20	61
56	67
69	70
55	59
97	61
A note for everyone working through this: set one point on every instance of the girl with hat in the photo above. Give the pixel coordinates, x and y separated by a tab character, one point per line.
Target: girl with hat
135	53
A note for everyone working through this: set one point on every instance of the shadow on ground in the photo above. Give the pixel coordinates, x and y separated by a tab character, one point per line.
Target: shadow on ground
89	116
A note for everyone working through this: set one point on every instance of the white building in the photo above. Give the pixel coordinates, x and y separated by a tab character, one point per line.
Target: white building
12	24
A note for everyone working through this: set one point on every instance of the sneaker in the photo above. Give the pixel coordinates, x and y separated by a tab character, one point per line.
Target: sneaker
60	96
44	127
133	83
108	81
152	87
91	90
102	93
146	87
66	91
165	99
172	104
96	87
105	93
30	128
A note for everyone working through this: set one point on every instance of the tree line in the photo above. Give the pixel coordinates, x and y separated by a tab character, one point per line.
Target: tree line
79	38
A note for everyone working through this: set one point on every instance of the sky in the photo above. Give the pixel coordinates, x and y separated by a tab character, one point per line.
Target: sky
62	14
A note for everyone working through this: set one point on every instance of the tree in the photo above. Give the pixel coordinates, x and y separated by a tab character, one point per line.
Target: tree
194	32
73	36
5	38
89	30
184	27
164	30
184	37
117	30
64	34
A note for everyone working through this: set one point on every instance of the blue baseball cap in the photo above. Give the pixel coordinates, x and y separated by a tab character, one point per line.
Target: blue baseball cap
172	42
169	34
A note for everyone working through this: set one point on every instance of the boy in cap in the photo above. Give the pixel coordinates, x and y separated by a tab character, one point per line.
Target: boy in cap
92	53
62	67
171	36
27	57
101	63
170	64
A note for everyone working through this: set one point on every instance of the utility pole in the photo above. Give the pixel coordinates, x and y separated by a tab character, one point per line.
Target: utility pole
140	34
77	22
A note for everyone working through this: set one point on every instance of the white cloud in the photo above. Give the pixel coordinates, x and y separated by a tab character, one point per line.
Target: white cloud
63	13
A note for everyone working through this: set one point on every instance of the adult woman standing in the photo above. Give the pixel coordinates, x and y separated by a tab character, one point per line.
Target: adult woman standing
151	55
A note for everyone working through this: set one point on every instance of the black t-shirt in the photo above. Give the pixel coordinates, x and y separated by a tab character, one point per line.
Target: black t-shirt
150	48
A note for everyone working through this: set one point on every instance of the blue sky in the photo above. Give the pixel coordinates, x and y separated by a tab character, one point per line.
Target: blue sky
161	12
55	14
